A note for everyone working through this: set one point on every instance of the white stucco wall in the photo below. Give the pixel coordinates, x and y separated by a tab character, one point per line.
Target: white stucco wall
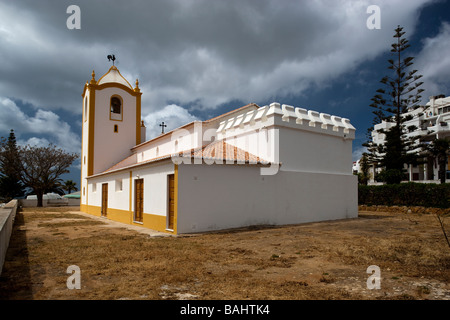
84	147
155	188
314	152
181	139
111	147
301	140
117	199
227	196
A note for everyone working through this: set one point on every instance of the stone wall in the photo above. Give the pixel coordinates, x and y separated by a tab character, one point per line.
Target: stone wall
7	215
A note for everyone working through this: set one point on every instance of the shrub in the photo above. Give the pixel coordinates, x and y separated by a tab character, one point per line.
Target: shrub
406	194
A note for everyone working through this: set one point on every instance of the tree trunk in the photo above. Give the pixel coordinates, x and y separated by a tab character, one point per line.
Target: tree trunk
442	171
40	197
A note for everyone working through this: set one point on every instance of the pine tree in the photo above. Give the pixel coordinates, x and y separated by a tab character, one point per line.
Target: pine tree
400	94
10	184
364	175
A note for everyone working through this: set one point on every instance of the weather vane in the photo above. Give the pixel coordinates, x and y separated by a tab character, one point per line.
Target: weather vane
162	125
111	57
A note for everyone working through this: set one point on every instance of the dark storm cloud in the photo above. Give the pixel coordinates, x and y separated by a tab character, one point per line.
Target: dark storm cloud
187	50
198	53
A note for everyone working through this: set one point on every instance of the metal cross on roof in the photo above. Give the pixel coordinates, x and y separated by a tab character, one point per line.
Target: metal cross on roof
162	125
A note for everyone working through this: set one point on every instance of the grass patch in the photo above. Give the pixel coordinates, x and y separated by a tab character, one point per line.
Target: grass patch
69	224
118	263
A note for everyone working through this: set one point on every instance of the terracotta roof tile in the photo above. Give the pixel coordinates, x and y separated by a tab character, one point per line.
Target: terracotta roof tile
218	151
222	151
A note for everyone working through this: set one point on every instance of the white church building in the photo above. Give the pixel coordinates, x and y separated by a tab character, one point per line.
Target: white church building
270	165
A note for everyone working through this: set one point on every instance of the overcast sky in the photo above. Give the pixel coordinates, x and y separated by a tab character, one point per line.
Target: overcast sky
196	59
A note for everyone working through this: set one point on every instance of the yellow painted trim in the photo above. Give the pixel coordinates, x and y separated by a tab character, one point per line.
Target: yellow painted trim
114	68
121	107
81	190
91	127
150	221
111	85
154	222
86	85
138	119
82	158
117	85
94	210
118	215
130	207
175	218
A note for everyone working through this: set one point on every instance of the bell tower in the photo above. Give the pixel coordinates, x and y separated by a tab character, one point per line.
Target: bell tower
111	123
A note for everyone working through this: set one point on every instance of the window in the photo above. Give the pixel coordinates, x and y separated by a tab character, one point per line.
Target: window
116	105
116	128
443	110
116	108
118	185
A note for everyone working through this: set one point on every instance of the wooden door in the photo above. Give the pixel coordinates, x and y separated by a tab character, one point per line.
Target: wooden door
171	204
104	199
138	200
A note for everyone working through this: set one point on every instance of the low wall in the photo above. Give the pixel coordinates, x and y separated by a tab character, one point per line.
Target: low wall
26	203
7	215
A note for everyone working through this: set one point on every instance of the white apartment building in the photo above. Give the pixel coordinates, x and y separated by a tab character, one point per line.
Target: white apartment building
432	122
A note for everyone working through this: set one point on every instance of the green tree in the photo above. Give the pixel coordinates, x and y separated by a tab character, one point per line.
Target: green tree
10	184
440	149
70	185
400	94
41	168
364	175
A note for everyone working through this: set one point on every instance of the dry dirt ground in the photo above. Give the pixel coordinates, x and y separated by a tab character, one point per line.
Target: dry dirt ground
324	260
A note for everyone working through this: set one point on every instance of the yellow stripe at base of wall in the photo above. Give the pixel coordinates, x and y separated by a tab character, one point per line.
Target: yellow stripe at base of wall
150	221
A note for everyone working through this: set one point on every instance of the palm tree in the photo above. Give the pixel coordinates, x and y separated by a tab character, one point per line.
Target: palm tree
440	148
70	185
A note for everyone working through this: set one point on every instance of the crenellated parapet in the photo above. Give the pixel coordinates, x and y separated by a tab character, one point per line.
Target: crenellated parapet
287	116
